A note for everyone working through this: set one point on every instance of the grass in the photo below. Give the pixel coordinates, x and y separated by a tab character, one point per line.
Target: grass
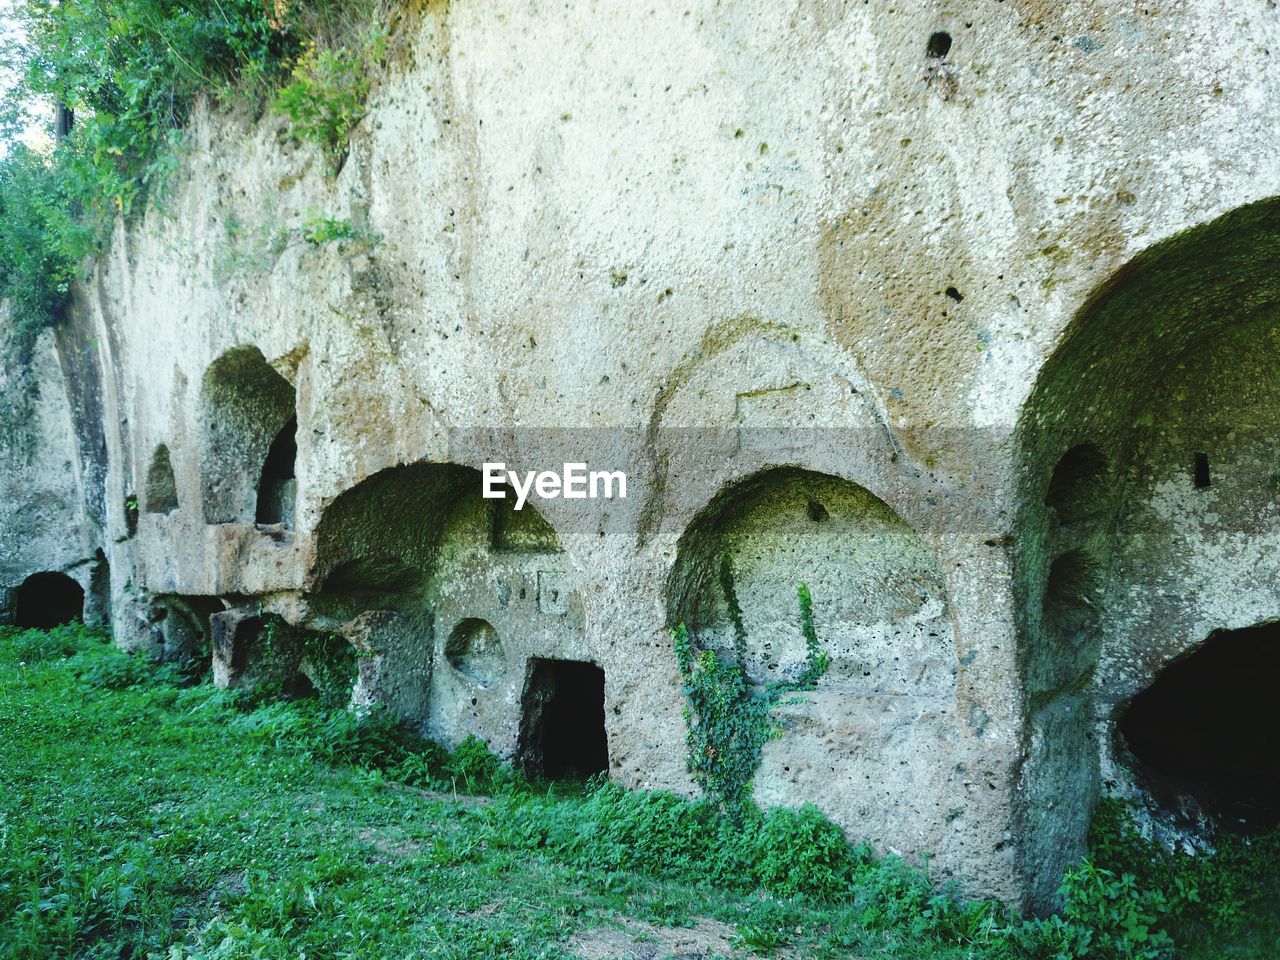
146	815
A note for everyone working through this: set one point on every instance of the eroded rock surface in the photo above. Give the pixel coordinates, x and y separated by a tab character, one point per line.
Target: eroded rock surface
979	343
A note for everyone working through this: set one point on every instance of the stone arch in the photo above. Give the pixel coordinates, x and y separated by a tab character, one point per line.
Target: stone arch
1145	505
383	535
869	572
161	494
46	600
868	745
446	595
244	405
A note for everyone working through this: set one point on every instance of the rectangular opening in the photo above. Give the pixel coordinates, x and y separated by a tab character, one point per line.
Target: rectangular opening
562	733
1202	470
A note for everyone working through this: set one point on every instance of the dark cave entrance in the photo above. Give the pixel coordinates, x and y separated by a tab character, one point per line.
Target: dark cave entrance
277	488
562	734
1206	728
46	600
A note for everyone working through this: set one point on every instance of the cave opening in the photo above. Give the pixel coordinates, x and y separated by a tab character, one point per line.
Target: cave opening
1206	729
47	600
277	488
562	732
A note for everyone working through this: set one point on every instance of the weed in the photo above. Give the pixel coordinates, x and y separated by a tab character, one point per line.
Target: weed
34	646
326	660
759	938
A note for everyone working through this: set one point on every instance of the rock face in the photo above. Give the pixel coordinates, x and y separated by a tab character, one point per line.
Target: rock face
966	317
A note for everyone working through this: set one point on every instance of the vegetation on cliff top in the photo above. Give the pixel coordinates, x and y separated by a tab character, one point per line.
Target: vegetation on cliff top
128	74
144	813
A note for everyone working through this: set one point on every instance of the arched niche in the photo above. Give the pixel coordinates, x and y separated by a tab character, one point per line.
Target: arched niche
447	596
161	493
382	536
1147	507
875	744
877	592
244	404
278	485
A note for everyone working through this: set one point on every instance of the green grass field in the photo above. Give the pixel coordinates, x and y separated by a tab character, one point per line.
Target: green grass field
145	814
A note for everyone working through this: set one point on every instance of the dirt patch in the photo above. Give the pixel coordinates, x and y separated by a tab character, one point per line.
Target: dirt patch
392	845
635	940
230	886
470	800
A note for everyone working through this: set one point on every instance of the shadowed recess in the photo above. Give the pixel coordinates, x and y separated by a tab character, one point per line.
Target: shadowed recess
277	489
245	404
46	600
1077	490
1162	393
162	487
383	534
562	732
1206	728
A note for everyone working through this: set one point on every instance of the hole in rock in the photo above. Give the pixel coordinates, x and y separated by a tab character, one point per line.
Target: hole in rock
1071	596
244	404
1077	491
562	734
131	516
939	45
162	486
48	599
817	512
954	294
1206	728
278	488
1202	471
475	651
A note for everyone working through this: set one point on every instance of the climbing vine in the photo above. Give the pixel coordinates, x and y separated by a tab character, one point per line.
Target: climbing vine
816	659
727	716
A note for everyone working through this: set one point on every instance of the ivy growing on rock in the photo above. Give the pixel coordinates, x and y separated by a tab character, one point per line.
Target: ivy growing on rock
326	660
727	715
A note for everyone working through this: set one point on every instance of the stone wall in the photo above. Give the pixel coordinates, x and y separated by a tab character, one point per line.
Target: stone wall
839	307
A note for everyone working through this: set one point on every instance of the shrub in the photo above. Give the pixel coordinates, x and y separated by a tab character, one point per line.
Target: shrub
326	660
325	95
800	851
131	71
473	767
42	237
1106	916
